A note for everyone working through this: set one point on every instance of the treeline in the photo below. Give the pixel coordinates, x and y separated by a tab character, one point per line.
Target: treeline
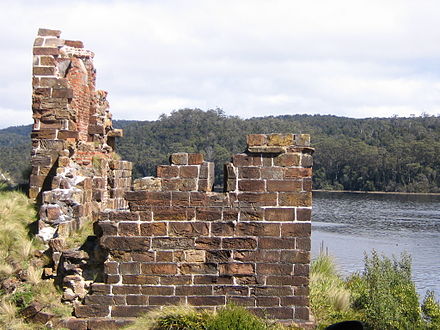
378	154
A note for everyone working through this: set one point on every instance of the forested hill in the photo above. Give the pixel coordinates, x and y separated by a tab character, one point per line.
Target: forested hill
386	154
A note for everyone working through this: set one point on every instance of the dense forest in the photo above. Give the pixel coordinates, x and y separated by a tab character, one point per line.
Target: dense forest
374	154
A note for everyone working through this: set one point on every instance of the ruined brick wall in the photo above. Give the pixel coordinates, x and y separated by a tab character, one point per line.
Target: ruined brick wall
75	171
181	243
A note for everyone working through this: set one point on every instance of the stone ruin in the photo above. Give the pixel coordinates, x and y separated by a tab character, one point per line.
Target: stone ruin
167	239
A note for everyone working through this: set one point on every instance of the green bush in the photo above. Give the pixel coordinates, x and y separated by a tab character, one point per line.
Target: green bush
431	311
385	294
236	318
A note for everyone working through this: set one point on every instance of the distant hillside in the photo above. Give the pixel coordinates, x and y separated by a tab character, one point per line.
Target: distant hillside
387	154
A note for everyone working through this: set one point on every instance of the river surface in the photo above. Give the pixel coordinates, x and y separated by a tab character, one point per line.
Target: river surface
349	224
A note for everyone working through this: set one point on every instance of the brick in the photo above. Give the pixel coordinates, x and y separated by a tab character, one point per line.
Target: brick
92	311
180	198
172	243
258	199
251	185
129	268
167	171
157	290
161	300
208	243
179	184
130	311
125	243
111	268
274	269
280	313
73	323
278	139
257	256
153	229
273	173
279	214
302	313
295	301
198	268
128	229
251	214
222	228
171	214
164	256
43	71
100	288
213	279
239	243
160	198
207	171
268	301
236	269
286	280
194	290
295	199
301	270
74	43
230	214
180	158
144	256
189	229
303	214
256	140
306	160
195	159
209	214
46	51
249	172
137	300
140	279
246	160
217	256
295	257
230	171
276	291
126	289
158	268
276	243
290	173
189	171
257	229
231	290
198	199
287	160
303	243
48	33
284	185
249	280
240	301
99	300
296	229
175	280
207	300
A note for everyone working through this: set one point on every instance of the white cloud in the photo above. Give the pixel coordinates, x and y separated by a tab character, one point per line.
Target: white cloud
249	57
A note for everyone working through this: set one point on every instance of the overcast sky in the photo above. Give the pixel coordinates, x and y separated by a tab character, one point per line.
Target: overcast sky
251	58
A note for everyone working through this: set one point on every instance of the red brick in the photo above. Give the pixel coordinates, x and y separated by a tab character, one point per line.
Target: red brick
287	160
222	228
284	185
180	158
126	289
295	257
145	256
48	33
307	184
175	280
159	268
251	185
251	214
129	268
157	290
280	214
167	171
43	71
230	214
46	51
295	199
239	243
74	43
218	256
296	229
140	279
164	256
188	229
125	243
170	214
257	256
99	300
231	290
276	243
213	279
249	280
111	267
159	198
237	269
209	214
273	173
303	243
161	300
256	140
180	198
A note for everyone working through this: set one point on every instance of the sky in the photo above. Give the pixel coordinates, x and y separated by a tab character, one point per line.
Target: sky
352	58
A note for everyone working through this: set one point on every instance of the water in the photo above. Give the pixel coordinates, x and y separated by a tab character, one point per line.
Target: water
349	224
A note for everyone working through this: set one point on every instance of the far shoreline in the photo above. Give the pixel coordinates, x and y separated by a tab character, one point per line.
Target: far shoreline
375	192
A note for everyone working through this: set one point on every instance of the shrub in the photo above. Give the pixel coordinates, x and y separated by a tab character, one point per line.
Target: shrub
236	318
431	311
